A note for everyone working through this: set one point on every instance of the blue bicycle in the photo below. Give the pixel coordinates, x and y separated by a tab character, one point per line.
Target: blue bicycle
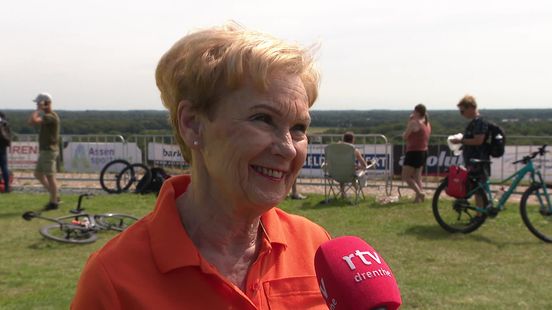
469	213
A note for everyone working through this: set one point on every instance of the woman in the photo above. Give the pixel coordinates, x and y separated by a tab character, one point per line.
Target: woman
239	105
416	137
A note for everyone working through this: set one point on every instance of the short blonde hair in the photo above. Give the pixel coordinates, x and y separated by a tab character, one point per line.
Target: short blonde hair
206	65
468	101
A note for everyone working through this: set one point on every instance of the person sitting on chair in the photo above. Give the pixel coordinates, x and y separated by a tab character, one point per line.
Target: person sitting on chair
360	164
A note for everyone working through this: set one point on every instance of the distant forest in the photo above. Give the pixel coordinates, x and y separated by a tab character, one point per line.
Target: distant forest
518	122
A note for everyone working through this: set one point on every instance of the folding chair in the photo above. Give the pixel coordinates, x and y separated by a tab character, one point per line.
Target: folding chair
339	171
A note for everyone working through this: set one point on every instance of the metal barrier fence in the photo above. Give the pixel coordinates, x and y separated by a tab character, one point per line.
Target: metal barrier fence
162	151
374	147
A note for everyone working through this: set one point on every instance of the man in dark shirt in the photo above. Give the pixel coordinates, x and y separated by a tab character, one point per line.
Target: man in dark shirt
48	145
473	142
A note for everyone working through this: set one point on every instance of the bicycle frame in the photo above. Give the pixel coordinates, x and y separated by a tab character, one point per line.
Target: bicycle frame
536	178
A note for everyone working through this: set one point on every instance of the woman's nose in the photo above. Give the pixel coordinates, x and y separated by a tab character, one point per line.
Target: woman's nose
284	146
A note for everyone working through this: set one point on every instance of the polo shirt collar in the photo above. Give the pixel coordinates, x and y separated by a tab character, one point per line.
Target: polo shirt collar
170	244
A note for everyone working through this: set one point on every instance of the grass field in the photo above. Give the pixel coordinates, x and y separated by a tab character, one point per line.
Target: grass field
500	266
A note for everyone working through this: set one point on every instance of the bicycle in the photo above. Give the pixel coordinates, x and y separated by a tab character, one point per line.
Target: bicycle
465	215
81	227
119	176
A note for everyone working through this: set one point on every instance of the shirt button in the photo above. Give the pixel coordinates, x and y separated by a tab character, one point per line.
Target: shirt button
255	287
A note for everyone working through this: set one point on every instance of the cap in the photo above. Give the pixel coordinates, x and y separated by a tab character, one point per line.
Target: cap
43	97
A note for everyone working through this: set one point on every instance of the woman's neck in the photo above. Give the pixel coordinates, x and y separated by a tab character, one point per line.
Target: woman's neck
225	237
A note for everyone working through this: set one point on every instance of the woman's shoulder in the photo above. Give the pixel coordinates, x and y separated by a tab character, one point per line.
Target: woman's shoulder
126	244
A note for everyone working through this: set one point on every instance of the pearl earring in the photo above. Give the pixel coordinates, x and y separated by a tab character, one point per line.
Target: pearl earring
196	142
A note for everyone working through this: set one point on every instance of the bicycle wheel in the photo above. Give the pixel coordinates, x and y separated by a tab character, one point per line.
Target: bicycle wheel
69	233
114	221
109	174
135	178
536	213
457	215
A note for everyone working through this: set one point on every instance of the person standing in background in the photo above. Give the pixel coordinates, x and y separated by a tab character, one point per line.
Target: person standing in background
48	145
416	137
5	141
473	143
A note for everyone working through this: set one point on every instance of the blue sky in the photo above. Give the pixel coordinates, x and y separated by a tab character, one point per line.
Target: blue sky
102	55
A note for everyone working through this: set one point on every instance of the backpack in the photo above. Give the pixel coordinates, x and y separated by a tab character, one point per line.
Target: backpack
158	176
5	134
457	180
497	142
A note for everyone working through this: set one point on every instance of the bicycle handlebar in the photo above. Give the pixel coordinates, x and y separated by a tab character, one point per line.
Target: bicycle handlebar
541	151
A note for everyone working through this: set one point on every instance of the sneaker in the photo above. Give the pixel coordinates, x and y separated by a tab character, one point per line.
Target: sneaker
50	206
298	197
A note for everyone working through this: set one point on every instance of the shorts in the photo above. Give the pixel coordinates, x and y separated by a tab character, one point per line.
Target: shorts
482	172
46	163
415	159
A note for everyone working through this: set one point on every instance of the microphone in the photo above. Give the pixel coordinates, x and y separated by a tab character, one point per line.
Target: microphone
352	275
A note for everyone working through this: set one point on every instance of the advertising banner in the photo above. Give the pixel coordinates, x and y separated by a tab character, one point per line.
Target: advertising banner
374	152
165	154
22	155
440	158
93	156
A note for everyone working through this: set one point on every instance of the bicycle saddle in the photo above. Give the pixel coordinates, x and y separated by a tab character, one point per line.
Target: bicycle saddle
29	215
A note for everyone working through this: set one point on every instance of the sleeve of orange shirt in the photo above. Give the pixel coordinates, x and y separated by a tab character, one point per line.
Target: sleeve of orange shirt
95	290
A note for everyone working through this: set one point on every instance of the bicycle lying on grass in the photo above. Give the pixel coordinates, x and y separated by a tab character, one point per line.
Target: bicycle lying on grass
81	227
469	213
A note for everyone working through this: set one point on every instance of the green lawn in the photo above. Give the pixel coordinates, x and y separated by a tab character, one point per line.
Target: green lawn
499	266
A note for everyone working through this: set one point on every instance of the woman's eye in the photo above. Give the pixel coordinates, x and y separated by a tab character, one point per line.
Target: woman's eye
299	128
262	118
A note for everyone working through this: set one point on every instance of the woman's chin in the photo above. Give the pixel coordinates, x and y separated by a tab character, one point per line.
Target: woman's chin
268	199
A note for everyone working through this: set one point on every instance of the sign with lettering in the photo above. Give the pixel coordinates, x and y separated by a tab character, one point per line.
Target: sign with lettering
93	156
22	155
440	158
380	153
165	154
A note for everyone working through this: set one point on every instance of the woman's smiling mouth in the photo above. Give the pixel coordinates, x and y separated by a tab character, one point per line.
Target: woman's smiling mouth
269	172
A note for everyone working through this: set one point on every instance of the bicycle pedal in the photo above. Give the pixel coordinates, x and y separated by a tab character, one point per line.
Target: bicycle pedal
76	211
492	212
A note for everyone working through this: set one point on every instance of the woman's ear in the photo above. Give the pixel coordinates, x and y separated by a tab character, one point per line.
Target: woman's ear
188	123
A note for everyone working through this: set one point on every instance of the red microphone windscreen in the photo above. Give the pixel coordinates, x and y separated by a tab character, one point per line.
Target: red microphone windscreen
352	275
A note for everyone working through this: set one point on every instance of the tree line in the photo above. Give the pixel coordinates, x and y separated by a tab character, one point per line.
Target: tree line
516	122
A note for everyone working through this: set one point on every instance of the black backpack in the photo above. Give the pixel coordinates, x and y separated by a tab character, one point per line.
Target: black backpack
497	141
158	176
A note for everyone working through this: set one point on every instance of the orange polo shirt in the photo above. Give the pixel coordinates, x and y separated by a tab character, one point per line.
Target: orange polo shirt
155	265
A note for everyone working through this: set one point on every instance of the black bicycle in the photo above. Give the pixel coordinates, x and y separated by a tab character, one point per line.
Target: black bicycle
81	227
121	176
